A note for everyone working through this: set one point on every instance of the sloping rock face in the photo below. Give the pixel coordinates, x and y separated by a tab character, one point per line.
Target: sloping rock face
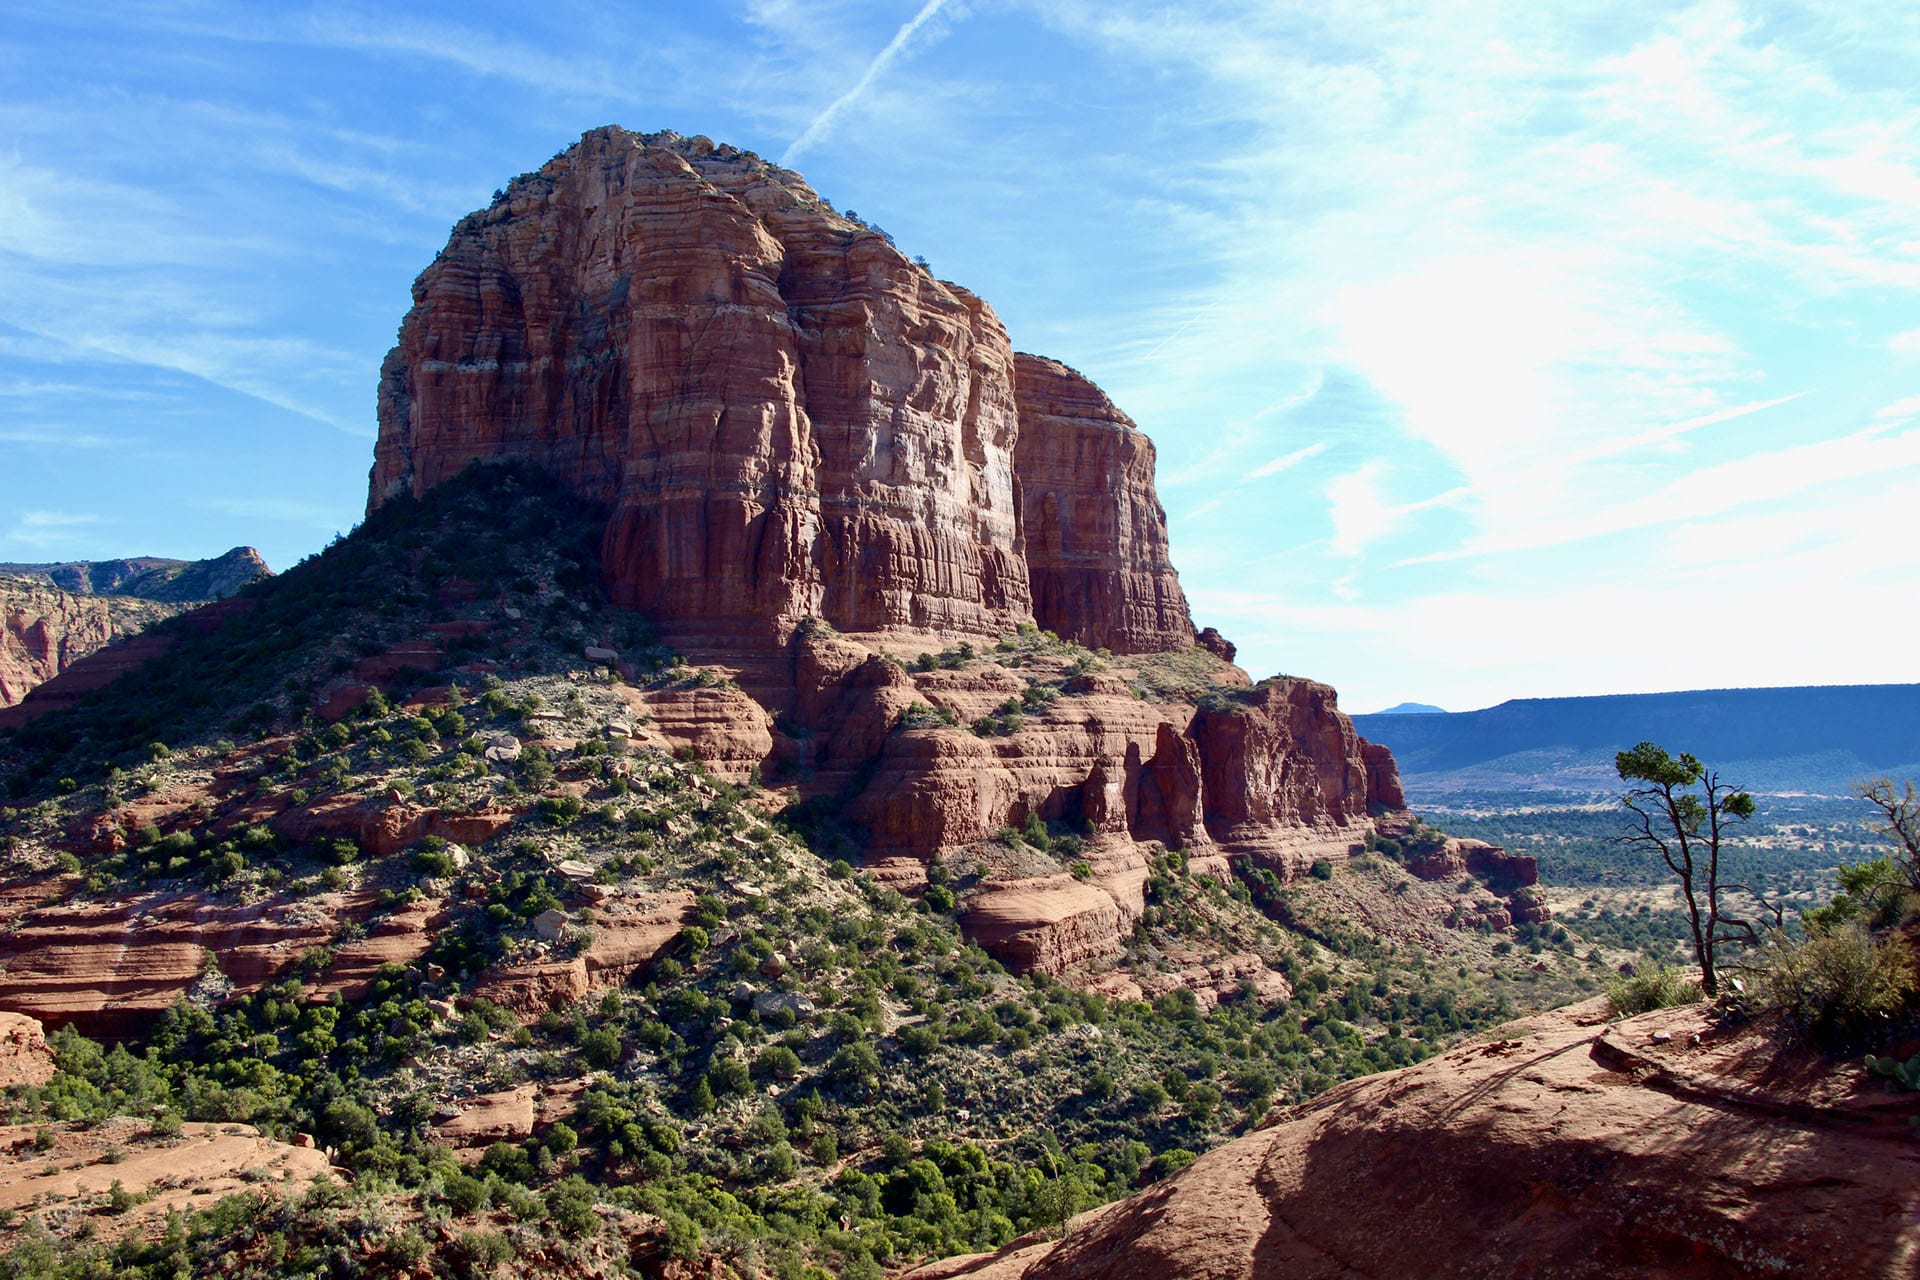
787	416
86	1163
1560	1147
1096	536
45	630
102	665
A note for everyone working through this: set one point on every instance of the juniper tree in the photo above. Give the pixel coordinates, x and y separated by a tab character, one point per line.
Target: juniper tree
1682	810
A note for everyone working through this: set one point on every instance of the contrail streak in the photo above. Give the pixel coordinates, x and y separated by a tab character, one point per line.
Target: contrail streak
882	60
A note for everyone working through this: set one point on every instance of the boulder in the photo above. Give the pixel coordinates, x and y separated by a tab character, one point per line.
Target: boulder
768	1004
25	1058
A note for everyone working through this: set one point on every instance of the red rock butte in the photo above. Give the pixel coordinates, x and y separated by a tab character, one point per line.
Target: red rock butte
787	416
789	420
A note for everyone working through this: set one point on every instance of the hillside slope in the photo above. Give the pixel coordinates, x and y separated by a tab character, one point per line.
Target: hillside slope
151	577
52	616
45	631
414	853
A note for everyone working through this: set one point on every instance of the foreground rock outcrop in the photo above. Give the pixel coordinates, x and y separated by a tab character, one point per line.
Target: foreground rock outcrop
1562	1146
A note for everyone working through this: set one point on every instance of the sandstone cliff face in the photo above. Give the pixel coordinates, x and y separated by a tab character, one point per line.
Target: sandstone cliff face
787	417
789	421
1096	537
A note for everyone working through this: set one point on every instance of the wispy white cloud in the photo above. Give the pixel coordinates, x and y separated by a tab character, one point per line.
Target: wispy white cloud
1544	240
35	389
1552	635
1287	461
47	437
1712	490
168	308
39	531
1900	410
823	123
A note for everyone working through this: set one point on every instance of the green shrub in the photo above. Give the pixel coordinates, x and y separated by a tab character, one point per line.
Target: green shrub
921	716
1870	891
777	1061
1905	1074
1840	984
463	1194
601	1048
1170	1162
1650	987
434	863
853	1064
561	811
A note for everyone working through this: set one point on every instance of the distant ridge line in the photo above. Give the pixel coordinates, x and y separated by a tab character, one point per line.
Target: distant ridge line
1821	737
1669	693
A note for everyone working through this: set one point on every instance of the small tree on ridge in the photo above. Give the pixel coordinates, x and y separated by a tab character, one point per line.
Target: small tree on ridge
1682	810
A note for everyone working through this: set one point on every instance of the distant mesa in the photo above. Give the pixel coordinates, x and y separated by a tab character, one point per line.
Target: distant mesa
1820	738
1413	709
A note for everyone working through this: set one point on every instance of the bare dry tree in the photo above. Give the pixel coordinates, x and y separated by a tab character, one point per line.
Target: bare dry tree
1901	811
1681	812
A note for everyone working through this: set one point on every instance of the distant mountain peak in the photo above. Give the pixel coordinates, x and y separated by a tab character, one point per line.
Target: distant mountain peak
1413	709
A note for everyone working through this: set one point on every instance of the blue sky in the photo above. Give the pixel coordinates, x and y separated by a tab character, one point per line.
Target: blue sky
1491	349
